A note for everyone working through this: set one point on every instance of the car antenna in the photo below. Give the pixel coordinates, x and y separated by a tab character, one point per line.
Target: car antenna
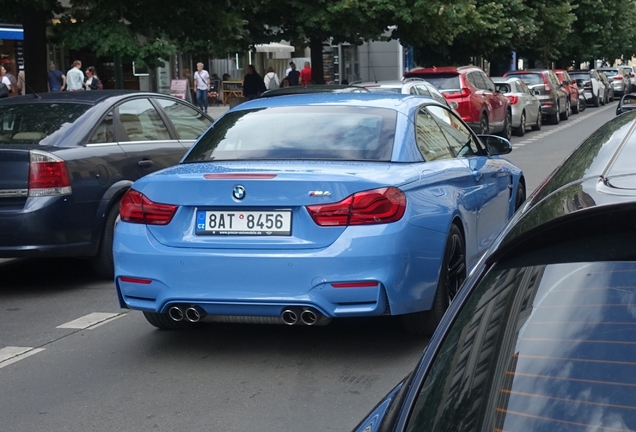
35	95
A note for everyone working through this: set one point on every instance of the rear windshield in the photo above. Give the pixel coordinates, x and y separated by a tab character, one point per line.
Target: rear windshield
384	89
530	78
503	88
31	123
299	132
580	76
445	81
609	72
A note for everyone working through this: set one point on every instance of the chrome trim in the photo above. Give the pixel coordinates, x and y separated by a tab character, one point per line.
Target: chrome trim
101	144
13	193
123	143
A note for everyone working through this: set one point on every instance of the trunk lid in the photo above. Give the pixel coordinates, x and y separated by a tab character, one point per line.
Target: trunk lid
269	187
14	177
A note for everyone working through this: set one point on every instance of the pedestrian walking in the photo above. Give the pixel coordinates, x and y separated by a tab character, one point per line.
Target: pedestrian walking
253	84
75	77
289	69
21	83
305	75
56	78
5	84
293	75
202	86
91	82
12	79
271	79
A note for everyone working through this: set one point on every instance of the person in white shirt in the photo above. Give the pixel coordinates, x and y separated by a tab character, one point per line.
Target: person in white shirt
202	86
75	77
271	79
5	79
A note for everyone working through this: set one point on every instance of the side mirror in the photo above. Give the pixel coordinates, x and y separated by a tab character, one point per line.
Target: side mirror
496	145
627	103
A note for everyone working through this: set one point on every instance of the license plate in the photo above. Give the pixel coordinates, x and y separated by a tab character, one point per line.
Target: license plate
250	223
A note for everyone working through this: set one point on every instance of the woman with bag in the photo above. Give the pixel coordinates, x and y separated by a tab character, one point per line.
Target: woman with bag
91	82
271	79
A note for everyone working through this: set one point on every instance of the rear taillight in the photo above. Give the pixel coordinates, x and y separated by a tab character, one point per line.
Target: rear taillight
631	75
513	99
464	92
378	206
545	82
618	78
48	175
135	207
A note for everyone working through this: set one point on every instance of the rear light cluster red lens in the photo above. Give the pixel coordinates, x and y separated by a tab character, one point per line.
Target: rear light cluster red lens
48	175
464	92
618	78
513	99
547	85
378	206
135	207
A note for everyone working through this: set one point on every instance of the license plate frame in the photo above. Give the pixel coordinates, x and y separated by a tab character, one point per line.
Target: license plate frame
236	222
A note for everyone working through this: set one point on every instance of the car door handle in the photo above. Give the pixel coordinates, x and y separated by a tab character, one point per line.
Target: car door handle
145	163
477	175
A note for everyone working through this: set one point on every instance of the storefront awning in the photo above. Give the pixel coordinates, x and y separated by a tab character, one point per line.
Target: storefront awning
11	33
274	48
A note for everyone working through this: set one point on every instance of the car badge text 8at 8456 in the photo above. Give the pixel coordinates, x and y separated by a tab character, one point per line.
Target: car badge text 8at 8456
238	192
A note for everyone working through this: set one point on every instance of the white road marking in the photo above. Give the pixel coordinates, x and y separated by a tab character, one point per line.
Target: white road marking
569	123
10	355
89	320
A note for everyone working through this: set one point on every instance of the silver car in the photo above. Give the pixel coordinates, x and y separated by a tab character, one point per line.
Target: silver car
414	86
526	108
619	78
631	72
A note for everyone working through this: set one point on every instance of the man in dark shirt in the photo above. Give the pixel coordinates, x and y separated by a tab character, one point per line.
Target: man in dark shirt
57	80
253	84
293	75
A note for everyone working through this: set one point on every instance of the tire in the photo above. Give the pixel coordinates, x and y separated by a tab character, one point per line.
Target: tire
452	274
164	322
507	129
102	263
612	98
595	101
537	125
556	118
521	130
582	105
575	108
520	197
566	114
484	129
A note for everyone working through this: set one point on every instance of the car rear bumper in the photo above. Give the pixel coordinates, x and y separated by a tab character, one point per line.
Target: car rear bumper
245	282
43	227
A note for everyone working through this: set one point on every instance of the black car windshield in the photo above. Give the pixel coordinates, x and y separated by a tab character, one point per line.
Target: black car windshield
530	78
444	81
580	75
544	347
31	123
299	132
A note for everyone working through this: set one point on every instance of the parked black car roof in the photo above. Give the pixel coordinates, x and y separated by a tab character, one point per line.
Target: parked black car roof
89	97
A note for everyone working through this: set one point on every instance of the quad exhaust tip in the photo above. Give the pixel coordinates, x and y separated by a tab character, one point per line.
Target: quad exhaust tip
308	317
194	314
289	316
175	313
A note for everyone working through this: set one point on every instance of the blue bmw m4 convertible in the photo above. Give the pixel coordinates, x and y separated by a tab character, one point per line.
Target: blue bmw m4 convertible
301	209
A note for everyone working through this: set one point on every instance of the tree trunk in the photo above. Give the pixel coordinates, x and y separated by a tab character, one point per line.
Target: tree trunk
317	70
34	23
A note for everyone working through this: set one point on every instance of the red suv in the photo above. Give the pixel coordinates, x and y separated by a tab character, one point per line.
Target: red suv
474	95
570	86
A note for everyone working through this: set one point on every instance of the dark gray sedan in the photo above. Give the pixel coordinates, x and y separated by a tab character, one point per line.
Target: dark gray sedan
67	158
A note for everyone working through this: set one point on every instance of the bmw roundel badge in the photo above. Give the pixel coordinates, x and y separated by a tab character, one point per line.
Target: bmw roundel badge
238	192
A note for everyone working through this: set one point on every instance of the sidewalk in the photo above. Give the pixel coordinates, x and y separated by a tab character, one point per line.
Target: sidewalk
217	111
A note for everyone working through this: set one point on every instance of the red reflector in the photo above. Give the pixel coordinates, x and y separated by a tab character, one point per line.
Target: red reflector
513	99
135	280
355	284
135	207
372	207
242	176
